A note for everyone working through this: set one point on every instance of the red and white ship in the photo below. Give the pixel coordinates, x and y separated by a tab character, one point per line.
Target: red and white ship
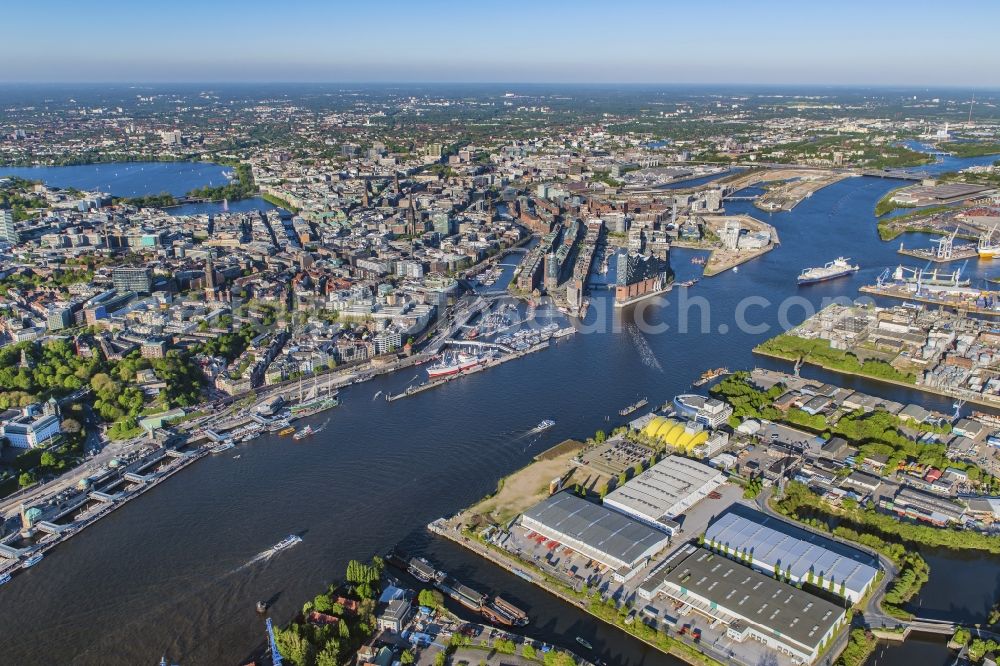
452	364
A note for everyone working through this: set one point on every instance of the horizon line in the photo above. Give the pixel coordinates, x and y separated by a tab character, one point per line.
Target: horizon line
944	86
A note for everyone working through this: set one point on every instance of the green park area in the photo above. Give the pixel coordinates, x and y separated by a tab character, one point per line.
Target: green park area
819	352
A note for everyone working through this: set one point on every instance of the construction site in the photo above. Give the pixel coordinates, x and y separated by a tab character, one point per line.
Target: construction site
785	188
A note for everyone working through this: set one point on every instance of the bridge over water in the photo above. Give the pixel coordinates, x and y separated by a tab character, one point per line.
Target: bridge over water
895	174
903	628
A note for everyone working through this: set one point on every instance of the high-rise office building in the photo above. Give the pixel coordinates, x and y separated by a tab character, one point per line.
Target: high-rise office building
172	137
8	232
129	278
442	223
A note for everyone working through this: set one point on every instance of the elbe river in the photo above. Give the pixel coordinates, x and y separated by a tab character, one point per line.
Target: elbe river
173	571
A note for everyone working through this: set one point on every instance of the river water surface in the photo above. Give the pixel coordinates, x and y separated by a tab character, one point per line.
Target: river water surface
177	571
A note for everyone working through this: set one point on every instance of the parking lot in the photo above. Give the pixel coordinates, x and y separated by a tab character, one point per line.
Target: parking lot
748	652
696	519
616	456
575	569
776	433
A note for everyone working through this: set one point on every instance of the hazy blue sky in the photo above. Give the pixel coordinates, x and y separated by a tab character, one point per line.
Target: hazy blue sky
665	41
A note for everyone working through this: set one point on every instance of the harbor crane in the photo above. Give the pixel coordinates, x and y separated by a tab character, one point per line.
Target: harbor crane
985	243
275	654
945	245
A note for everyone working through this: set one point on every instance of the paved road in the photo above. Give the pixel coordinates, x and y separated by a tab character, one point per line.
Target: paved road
11	505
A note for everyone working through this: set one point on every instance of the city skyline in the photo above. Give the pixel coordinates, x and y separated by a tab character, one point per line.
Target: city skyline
720	43
556	334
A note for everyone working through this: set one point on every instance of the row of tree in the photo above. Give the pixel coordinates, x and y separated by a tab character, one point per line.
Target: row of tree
799	502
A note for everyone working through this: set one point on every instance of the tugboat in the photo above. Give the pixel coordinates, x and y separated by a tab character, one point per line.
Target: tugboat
709	375
397	559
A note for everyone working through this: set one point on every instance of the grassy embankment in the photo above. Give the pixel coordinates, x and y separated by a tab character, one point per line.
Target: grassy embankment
818	352
971	148
279	202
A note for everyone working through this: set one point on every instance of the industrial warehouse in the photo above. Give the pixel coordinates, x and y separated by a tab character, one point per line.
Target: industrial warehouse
752	605
618	542
665	490
800	555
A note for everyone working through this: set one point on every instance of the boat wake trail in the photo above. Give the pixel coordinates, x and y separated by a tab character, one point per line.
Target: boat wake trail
531	442
259	557
646	354
525	435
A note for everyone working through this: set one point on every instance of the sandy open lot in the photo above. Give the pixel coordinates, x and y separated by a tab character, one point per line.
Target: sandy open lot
530	485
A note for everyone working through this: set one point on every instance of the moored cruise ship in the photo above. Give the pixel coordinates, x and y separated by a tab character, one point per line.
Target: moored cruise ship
839	267
454	364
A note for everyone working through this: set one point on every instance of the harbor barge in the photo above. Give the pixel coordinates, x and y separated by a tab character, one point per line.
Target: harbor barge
497	610
634	407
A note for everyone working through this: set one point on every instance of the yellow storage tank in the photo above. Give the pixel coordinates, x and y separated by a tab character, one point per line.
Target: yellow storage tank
665	427
684	440
699	439
674	435
653	426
